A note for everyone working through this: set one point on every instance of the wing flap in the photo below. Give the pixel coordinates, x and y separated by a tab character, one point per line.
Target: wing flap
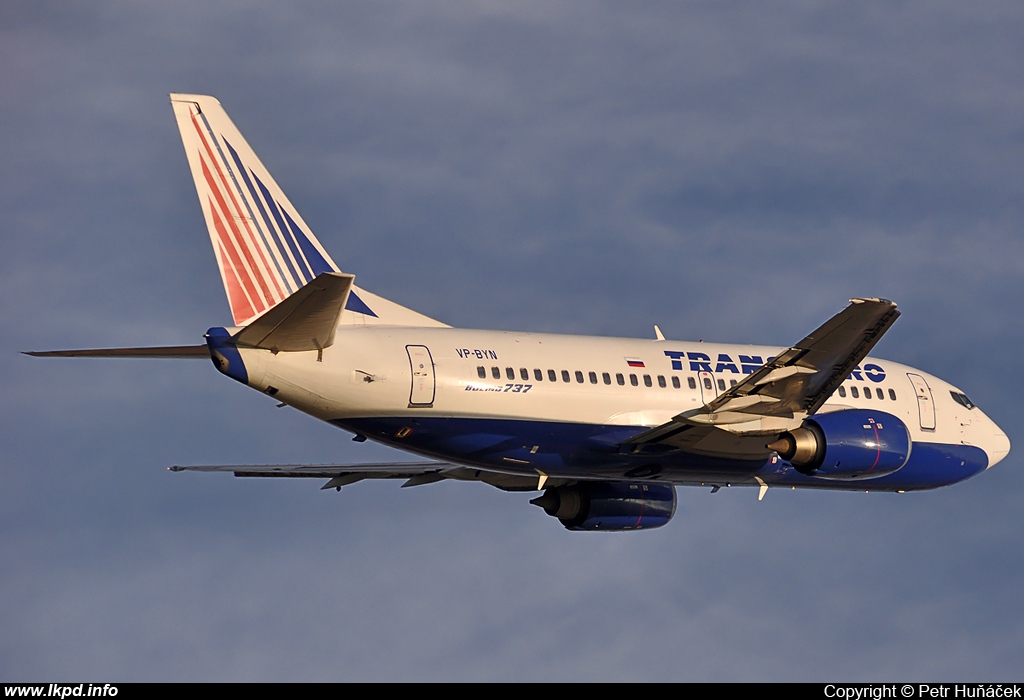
414	473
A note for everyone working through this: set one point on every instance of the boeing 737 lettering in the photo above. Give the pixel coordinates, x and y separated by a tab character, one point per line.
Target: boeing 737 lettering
605	428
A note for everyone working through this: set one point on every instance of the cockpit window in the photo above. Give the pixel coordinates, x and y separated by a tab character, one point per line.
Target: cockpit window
962	399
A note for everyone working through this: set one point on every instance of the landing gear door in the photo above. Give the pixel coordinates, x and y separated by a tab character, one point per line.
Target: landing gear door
925	404
421	366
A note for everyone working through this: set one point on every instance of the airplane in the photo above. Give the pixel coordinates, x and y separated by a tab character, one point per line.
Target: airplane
606	428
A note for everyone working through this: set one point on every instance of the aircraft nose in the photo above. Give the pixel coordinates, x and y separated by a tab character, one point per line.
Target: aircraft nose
997	446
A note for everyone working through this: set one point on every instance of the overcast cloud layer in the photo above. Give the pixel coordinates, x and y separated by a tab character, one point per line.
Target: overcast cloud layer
731	171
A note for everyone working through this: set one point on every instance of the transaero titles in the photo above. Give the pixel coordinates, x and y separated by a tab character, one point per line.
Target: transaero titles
748	364
923	690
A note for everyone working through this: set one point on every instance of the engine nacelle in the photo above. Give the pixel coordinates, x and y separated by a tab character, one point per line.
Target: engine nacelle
610	506
853	444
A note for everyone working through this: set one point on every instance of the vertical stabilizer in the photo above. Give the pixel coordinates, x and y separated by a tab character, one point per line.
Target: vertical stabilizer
265	251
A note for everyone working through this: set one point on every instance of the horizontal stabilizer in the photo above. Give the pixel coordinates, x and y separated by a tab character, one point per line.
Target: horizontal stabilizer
173	352
306	320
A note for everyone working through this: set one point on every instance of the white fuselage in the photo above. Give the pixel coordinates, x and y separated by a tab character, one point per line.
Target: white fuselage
502	377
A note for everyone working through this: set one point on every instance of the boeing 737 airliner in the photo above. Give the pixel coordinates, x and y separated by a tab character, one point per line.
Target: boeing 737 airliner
605	427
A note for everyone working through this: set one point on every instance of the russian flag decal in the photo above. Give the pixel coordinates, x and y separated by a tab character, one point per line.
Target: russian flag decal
633	362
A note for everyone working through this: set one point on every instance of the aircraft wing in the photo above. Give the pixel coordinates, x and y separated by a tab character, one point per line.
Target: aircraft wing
786	389
415	473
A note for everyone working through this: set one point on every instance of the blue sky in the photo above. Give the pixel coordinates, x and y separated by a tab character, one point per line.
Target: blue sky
730	171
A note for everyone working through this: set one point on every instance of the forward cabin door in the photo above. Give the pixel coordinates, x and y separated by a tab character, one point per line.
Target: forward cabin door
421	366
925	405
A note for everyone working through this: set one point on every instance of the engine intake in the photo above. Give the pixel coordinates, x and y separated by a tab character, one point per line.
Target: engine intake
853	444
610	506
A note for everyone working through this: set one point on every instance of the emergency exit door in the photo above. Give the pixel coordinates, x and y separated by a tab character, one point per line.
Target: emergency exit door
708	390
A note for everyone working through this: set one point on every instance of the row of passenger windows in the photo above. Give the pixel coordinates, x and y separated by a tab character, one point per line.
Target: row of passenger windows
620	379
855	393
566	377
606	377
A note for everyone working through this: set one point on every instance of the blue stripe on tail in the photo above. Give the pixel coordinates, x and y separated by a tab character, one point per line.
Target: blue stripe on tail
268	239
303	272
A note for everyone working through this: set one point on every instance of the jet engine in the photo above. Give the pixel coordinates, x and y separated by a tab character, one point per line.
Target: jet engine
610	506
852	444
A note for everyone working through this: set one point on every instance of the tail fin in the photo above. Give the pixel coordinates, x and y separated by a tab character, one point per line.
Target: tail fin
265	251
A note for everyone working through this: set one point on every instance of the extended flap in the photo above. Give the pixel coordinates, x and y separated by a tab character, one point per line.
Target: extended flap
306	320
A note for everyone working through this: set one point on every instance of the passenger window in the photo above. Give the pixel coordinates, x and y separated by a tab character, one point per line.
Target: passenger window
510	373
690	382
721	385
661	381
565	376
707	384
495	372
879	394
524	374
538	375
620	379
551	376
481	372
867	392
593	377
647	380
732	382
633	380
675	382
607	378
854	393
579	377
892	394
842	392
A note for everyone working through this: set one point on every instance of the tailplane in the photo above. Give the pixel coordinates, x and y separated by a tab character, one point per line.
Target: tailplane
265	251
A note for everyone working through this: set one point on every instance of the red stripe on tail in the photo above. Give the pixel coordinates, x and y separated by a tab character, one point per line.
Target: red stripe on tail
251	277
251	243
241	310
241	281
